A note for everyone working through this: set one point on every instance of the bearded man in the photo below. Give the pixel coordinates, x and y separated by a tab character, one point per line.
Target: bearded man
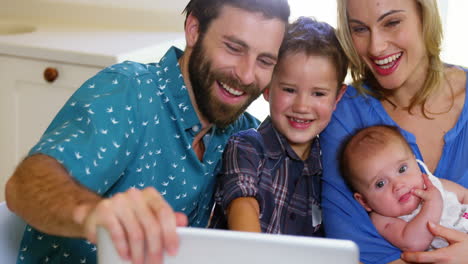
138	142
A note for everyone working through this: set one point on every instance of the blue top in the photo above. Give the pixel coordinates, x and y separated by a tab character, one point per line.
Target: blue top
344	216
131	125
263	165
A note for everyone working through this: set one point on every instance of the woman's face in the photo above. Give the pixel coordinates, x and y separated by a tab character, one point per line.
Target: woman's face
387	35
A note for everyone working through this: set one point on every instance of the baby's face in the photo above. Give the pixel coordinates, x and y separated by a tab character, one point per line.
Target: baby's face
302	96
385	180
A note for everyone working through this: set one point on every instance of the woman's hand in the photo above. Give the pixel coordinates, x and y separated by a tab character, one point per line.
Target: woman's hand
456	252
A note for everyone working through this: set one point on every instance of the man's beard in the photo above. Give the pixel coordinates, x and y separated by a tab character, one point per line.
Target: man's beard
202	78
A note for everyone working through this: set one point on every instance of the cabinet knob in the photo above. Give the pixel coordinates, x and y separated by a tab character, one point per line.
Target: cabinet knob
50	74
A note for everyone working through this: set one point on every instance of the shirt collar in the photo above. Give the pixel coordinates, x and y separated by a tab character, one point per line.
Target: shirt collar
277	145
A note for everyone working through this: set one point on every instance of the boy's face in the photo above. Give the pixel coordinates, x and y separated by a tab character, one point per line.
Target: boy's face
232	62
384	180
302	96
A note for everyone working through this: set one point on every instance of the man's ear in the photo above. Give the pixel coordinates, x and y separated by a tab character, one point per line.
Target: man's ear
266	93
192	30
362	201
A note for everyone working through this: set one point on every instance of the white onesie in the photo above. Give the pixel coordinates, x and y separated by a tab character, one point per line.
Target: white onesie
454	214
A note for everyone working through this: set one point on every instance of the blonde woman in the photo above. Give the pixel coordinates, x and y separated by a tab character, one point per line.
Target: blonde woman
398	80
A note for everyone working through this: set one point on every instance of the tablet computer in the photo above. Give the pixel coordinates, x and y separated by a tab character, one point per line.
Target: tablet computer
211	246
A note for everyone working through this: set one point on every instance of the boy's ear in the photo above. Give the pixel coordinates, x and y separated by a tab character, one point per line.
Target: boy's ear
192	30
362	201
266	94
340	94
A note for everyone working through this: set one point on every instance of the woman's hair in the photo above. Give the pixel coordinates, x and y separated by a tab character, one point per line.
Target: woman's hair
432	35
313	37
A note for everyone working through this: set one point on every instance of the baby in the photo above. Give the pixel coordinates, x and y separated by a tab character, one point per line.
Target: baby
379	166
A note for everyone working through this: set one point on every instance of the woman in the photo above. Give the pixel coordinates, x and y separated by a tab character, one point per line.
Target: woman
399	80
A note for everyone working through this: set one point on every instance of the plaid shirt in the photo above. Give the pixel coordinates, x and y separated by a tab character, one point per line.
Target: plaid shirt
263	165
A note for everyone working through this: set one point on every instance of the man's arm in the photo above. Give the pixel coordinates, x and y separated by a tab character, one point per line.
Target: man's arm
243	215
42	192
46	196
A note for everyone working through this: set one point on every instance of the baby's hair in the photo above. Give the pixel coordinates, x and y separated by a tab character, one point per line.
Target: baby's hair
315	38
365	143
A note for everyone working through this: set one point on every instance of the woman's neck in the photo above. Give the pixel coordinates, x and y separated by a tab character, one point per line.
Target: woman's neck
402	96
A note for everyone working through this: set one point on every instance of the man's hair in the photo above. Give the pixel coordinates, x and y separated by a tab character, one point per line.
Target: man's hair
366	142
432	35
315	38
208	10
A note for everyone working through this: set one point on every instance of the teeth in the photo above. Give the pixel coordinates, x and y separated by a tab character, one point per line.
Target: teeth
232	90
387	60
300	120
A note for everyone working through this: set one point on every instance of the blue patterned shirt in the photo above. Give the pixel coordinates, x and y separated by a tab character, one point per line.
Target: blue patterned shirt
131	125
263	165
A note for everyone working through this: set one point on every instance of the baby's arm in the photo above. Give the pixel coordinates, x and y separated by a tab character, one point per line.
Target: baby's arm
459	190
243	215
413	235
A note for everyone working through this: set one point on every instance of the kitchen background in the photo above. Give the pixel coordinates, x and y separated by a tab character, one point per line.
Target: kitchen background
71	40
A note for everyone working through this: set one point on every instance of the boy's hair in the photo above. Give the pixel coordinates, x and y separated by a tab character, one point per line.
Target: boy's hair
365	143
208	10
315	38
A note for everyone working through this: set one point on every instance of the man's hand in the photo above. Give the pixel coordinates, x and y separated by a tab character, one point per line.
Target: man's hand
455	253
138	221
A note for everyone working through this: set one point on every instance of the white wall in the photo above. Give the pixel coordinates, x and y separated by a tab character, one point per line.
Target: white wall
165	15
455	44
455	48
142	15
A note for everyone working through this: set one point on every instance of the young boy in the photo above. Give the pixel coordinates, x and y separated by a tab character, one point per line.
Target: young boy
384	175
270	179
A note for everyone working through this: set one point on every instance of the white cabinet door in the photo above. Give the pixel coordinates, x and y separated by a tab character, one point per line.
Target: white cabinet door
28	104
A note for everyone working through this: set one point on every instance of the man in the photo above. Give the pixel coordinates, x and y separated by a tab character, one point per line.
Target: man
160	128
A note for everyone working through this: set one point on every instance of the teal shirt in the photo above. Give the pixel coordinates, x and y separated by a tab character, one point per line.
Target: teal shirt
131	126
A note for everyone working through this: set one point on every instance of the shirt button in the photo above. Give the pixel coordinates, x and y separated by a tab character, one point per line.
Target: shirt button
292	216
195	128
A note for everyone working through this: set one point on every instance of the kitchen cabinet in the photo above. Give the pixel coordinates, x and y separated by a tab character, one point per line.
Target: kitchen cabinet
40	69
28	102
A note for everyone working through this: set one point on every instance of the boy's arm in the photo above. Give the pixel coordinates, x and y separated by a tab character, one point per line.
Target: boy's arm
402	234
238	192
243	215
459	190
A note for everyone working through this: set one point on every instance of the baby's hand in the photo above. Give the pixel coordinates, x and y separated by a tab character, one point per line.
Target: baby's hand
429	195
